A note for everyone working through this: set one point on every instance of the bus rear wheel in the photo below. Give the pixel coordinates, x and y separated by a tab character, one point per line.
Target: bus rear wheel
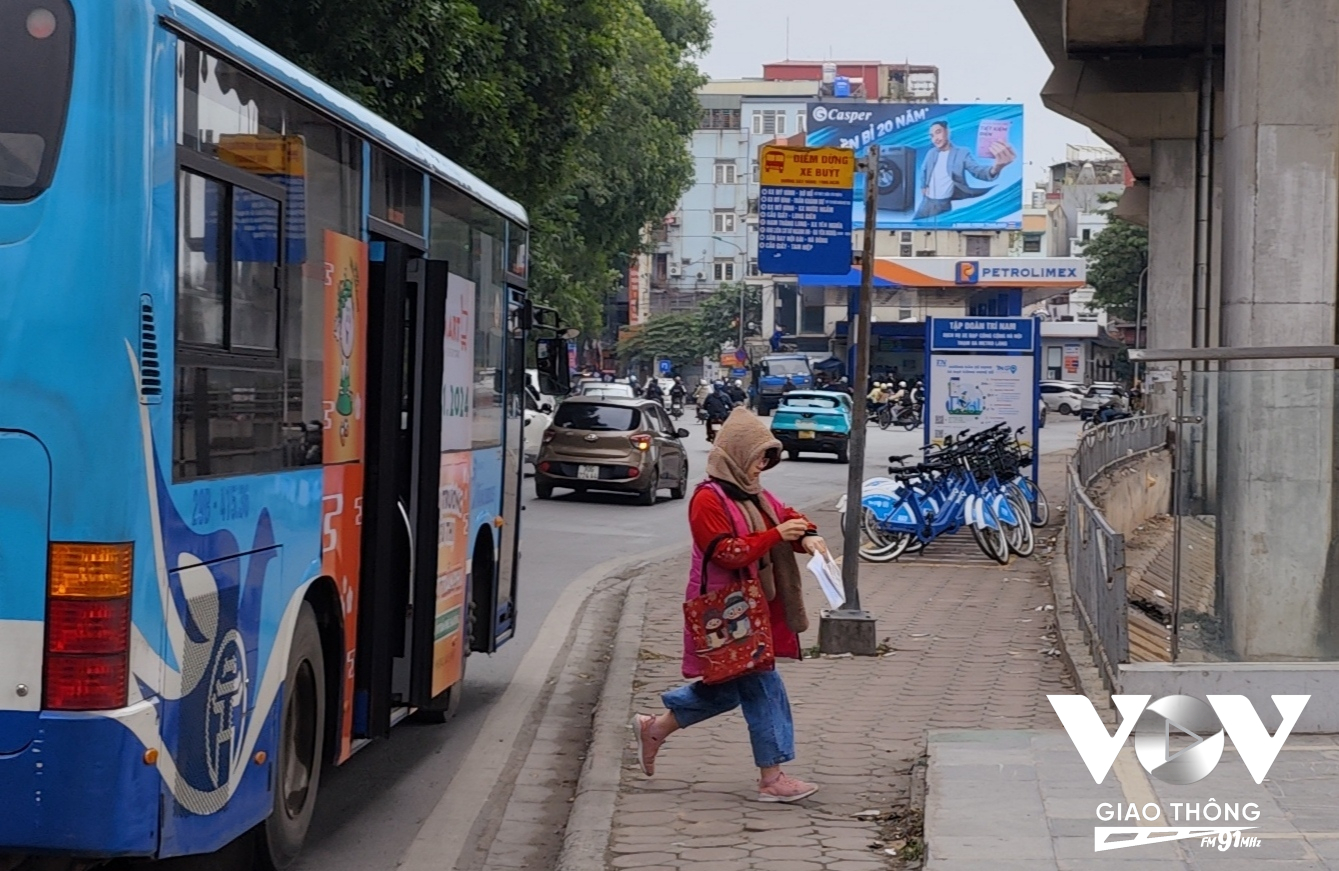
297	775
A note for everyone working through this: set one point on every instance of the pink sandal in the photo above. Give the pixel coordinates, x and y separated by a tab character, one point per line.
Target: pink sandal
647	747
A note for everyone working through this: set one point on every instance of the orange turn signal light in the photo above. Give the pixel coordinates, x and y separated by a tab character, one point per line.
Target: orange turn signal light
90	571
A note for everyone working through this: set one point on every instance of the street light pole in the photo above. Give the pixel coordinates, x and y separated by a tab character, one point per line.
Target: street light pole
742	287
741	316
851	629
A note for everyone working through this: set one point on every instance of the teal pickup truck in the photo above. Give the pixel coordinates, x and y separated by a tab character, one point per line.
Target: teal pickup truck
814	421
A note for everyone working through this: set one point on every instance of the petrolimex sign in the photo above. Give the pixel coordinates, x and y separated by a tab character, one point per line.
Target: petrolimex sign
1021	271
973	272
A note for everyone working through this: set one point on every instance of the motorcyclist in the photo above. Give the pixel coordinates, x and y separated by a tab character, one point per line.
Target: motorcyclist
653	391
677	394
1108	412
899	394
736	392
918	393
717	406
877	398
702	392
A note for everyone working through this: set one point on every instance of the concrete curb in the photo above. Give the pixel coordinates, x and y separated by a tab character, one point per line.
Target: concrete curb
591	822
449	828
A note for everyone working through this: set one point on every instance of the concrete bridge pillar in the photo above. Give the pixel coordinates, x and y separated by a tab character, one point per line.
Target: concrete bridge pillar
1276	428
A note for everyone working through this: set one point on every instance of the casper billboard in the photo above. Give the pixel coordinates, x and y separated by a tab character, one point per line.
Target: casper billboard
942	166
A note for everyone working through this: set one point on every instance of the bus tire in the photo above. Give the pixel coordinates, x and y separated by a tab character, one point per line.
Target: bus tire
301	749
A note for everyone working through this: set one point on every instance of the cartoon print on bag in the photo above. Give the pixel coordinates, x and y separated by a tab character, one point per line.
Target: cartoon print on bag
717	635
736	613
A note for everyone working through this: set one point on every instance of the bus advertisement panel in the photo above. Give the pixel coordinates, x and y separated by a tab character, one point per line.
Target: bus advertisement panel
452	549
941	166
345	347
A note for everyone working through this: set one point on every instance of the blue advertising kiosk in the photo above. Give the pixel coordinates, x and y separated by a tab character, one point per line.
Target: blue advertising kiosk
981	372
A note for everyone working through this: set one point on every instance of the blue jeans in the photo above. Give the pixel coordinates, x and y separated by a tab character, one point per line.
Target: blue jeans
762	696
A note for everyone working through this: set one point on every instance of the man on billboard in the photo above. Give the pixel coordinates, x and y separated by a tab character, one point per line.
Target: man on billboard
943	174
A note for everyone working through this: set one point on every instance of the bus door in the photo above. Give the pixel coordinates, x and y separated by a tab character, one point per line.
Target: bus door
406	315
513	454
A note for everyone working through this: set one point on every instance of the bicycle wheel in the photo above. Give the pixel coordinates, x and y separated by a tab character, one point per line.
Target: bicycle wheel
878	545
1041	509
1032	495
1021	539
991	538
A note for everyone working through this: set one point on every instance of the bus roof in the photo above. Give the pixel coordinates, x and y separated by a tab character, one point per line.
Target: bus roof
201	24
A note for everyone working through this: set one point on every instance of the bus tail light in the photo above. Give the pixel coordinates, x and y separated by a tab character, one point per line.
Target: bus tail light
641	441
87	627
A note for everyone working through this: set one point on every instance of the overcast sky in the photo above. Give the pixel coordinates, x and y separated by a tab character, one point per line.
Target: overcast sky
983	48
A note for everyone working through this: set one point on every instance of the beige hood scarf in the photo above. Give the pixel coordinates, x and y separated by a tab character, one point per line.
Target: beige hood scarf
740	443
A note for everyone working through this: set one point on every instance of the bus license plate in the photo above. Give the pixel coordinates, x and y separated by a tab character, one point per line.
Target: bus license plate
806	433
588	473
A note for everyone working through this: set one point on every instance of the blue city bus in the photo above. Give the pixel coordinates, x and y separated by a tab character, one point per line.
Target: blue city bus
261	388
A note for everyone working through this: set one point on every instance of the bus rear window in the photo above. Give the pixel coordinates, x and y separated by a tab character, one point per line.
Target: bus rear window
36	56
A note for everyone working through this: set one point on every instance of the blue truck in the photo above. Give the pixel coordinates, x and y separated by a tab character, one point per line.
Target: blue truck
773	371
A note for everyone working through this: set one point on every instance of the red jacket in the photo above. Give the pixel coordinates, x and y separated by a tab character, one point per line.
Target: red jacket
707	519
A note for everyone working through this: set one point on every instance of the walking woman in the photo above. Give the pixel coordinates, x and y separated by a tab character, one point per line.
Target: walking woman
754	533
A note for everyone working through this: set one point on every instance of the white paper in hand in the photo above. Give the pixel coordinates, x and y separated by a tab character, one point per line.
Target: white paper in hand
829	579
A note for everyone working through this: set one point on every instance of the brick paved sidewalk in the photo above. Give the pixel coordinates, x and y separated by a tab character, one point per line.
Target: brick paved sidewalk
966	643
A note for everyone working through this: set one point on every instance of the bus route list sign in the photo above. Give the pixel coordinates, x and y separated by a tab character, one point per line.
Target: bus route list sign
804	210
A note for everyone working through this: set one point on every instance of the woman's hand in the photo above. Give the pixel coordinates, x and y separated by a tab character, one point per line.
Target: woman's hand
793	529
815	544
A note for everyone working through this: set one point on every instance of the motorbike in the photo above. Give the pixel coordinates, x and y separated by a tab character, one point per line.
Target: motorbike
1106	414
676	408
908	416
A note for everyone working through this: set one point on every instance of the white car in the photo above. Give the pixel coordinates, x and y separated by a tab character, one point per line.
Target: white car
533	434
611	390
538	417
1100	392
1065	397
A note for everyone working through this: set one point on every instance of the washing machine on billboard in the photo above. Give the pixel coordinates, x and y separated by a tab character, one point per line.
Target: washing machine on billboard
897	179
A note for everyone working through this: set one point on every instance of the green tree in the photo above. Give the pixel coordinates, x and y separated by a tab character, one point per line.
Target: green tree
579	109
720	314
674	337
634	165
1116	257
687	337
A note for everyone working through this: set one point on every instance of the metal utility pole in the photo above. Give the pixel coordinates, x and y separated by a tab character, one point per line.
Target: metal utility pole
742	288
851	629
